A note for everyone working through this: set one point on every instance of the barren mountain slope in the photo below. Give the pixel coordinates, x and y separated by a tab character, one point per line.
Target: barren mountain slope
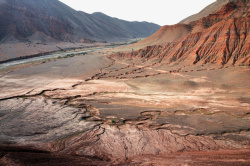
171	33
206	11
223	39
34	27
22	19
163	35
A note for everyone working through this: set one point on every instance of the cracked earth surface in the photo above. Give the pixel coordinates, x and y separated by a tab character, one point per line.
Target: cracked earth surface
131	111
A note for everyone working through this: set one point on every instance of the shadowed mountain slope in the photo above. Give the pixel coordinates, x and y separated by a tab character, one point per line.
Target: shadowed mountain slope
52	20
135	28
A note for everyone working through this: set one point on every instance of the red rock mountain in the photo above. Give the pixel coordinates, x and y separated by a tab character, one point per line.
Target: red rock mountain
222	37
206	11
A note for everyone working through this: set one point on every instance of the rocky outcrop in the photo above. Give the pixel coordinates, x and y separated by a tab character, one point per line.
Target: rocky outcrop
223	39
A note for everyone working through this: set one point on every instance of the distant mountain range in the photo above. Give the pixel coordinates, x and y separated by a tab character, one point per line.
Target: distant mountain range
51	20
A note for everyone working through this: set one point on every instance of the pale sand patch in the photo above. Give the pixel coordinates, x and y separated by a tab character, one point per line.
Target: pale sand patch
200	80
21	86
91	87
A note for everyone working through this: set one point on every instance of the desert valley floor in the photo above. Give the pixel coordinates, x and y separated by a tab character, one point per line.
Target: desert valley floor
105	111
93	89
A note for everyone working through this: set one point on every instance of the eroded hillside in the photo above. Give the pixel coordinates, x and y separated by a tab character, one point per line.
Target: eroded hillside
220	38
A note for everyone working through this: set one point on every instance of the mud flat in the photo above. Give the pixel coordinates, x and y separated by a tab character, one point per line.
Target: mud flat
94	110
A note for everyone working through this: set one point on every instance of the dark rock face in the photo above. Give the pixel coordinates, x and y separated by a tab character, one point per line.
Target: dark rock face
24	18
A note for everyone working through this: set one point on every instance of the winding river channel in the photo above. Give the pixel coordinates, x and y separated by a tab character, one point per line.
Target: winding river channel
52	55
